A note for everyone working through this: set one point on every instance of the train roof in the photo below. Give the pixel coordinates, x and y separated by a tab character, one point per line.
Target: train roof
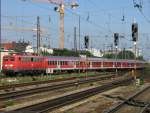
91	58
16	55
66	58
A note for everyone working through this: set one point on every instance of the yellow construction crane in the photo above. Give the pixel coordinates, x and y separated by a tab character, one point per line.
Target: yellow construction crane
60	8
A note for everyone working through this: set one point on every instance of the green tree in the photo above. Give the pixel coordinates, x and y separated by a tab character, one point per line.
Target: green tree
109	56
87	53
126	54
140	58
65	52
45	53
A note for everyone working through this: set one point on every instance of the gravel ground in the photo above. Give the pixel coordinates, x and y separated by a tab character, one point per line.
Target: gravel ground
100	102
95	104
41	97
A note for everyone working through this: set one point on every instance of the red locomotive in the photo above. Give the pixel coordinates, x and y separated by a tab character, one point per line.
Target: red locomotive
13	64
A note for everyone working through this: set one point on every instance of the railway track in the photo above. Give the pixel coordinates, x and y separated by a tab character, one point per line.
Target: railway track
71	98
24	93
146	109
14	86
134	103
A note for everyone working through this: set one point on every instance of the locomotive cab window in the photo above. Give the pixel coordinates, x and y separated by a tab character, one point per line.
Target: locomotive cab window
12	59
5	59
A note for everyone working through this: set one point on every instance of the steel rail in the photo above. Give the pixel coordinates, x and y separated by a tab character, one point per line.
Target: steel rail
71	98
146	109
127	100
23	93
13	86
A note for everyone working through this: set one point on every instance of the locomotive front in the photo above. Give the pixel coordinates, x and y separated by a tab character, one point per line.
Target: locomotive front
9	64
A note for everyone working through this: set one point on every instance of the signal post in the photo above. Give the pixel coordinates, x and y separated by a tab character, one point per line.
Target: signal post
116	42
134	39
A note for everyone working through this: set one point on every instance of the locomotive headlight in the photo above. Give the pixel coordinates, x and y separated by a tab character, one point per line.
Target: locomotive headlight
6	65
11	65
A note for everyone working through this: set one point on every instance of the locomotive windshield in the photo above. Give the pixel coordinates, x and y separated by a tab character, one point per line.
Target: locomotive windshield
5	58
9	58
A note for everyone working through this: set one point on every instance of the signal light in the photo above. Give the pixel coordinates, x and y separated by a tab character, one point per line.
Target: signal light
86	41
116	39
56	9
134	32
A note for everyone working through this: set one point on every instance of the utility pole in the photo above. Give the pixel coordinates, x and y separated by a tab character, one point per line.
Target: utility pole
38	35
75	39
79	33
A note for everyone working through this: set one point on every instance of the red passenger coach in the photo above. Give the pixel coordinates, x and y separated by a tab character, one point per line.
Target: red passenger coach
55	63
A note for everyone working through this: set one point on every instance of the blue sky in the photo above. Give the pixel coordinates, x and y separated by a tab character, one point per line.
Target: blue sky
99	19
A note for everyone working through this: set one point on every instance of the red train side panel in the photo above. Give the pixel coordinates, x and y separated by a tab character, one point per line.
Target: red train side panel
40	64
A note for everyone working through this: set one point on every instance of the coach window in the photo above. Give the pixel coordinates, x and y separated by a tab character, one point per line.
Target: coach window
49	62
38	60
54	62
12	59
32	59
5	59
19	58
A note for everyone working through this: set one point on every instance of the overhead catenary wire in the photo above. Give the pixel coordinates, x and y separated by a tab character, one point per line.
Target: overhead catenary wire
89	21
139	6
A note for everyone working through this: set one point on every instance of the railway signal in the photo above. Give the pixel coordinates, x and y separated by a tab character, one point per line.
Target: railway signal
134	32
116	39
134	39
86	42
